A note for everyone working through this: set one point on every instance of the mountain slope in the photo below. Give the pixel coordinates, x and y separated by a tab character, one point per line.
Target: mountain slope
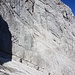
43	34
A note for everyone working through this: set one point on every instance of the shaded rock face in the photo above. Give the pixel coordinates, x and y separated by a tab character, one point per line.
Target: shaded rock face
43	34
5	41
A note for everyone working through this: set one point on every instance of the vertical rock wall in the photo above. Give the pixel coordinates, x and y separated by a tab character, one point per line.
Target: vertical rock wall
43	34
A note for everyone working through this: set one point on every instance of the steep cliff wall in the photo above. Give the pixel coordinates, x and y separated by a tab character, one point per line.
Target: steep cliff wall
43	34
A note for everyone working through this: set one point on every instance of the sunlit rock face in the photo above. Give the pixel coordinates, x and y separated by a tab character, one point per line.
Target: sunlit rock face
43	34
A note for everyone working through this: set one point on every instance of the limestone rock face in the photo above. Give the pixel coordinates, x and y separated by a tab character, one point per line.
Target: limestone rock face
43	35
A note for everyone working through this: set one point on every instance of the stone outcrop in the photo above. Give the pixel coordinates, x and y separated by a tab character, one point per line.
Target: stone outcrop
42	34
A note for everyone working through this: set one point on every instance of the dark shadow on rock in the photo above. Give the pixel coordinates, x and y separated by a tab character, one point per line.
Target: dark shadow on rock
5	42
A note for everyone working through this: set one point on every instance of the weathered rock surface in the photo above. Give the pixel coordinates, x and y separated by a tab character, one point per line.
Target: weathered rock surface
43	35
17	68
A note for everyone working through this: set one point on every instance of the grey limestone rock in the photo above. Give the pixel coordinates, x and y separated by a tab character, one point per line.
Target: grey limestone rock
43	34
